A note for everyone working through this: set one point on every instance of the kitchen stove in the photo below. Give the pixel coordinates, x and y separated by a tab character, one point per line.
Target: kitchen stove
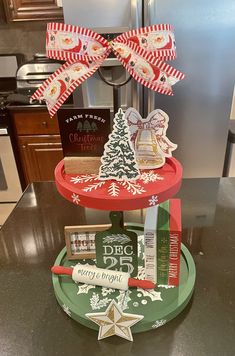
32	74
3	106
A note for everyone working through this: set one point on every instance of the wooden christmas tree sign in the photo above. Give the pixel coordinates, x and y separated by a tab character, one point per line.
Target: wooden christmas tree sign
116	248
83	135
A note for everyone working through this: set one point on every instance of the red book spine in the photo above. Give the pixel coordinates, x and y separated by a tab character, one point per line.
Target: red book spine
175	242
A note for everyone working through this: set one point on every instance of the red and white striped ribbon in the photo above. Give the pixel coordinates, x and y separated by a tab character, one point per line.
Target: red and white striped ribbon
142	52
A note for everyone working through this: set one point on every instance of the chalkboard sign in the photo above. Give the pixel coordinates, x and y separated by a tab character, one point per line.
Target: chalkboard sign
83	131
116	248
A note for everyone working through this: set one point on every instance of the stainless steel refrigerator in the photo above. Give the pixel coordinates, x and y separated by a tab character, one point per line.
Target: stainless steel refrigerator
199	110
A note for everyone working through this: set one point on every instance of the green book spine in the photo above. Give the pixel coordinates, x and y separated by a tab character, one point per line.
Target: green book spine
163	243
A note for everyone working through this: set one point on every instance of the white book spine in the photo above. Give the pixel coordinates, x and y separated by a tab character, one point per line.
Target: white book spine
150	243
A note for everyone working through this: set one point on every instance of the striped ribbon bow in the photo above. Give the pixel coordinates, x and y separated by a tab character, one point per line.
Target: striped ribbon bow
142	52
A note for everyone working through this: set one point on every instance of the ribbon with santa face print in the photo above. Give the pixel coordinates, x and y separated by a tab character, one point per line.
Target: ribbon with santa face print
142	52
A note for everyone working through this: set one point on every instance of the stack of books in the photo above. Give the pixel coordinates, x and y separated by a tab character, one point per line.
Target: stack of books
162	239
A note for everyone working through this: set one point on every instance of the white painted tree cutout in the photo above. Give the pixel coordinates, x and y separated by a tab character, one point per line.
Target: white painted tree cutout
118	161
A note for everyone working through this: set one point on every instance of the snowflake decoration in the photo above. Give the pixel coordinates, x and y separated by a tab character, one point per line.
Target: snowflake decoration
97	303
113	189
120	238
123	299
148	177
166	286
107	291
151	293
84	178
94	186
84	288
66	309
158	323
153	200
133	187
75	198
90	182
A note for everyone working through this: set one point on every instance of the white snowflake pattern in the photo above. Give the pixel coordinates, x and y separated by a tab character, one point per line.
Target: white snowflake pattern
113	189
84	288
97	303
151	293
153	200
84	178
158	323
133	188
148	177
66	310
94	186
165	286
107	291
120	238
75	198
123	298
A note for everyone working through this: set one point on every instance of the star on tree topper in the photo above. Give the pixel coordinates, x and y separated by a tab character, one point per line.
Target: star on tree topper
114	322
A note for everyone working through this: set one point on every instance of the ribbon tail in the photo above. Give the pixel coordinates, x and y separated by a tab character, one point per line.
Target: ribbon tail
57	88
146	69
166	146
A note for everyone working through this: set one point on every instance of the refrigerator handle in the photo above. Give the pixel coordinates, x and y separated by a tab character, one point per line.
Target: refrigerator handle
150	13
136	14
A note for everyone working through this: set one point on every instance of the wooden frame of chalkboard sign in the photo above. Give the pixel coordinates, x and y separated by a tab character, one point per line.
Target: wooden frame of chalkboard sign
80	240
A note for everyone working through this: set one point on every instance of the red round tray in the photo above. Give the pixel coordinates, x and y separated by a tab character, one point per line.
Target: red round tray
153	187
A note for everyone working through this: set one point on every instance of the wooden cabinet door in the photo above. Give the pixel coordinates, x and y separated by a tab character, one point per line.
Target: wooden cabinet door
23	10
2	13
40	155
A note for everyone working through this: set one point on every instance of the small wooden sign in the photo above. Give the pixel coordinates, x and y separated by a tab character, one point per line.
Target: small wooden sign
116	248
83	131
80	240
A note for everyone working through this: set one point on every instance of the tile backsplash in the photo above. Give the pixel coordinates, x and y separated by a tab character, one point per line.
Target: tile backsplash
23	37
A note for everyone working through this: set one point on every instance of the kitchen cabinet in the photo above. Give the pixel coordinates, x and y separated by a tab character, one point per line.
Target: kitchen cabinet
2	13
27	10
39	155
38	143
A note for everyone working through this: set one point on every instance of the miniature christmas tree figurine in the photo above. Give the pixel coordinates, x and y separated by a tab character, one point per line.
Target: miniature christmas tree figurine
118	160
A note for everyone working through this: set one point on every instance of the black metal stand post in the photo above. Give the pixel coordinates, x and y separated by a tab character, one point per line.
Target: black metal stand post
116	90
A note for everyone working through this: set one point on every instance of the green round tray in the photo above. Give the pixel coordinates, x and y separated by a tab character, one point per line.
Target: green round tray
158	306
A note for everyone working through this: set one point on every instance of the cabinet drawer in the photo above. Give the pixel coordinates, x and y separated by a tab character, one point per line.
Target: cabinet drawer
39	156
35	122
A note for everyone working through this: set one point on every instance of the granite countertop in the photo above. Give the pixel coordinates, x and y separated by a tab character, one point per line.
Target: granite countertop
32	322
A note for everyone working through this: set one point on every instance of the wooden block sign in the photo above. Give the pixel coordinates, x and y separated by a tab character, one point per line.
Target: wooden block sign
83	131
80	241
116	248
